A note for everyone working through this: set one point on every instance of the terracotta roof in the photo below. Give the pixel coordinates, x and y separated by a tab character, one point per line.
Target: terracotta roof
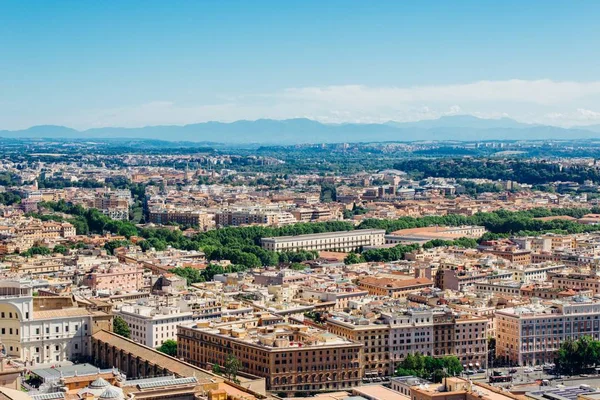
62	313
175	366
395	283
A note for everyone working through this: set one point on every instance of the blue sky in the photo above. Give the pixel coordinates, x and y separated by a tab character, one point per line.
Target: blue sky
134	63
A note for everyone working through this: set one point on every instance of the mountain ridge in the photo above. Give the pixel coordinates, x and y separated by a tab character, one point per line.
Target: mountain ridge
304	130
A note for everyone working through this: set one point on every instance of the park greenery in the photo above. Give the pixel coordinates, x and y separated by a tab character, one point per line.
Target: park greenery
520	170
427	367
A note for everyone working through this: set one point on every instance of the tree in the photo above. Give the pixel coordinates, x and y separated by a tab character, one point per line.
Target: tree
232	366
216	369
576	356
120	327
59	248
429	367
37	250
114	244
169	347
353	258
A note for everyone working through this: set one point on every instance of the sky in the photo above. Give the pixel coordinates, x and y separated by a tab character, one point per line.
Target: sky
88	64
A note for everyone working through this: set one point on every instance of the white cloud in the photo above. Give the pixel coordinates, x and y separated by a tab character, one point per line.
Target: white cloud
536	101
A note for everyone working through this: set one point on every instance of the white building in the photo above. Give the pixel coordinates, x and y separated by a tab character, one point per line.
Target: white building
151	325
36	334
336	241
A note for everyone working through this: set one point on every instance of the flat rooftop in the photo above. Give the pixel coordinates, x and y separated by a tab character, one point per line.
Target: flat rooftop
328	234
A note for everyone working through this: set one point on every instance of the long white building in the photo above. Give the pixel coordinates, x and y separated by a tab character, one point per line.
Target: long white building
335	241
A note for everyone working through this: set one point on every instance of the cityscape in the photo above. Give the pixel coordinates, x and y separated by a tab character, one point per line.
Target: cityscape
276	230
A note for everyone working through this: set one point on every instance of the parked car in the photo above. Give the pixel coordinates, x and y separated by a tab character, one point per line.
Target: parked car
513	370
538	368
469	372
528	370
481	371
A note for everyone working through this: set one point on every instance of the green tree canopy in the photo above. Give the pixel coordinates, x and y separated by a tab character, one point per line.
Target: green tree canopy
169	347
120	327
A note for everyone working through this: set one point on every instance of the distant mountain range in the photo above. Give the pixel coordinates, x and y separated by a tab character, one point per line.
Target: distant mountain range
301	130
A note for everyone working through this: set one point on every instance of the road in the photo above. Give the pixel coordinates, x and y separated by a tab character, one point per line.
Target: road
520	378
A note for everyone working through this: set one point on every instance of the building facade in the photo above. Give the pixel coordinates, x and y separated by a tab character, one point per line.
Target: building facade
335	241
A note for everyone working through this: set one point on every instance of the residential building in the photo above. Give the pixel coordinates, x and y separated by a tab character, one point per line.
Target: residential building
152	324
531	335
292	358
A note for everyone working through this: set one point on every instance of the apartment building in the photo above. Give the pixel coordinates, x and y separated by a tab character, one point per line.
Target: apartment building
45	329
411	332
564	281
164	216
501	288
254	217
535	272
340	298
122	277
292	358
21	234
312	214
531	335
461	334
459	279
114	204
152	324
388	339
335	241
374	336
394	288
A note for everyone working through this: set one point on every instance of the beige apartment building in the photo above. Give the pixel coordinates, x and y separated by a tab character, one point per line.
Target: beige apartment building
292	358
164	216
565	281
335	241
430	332
394	288
531	335
375	358
254	217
